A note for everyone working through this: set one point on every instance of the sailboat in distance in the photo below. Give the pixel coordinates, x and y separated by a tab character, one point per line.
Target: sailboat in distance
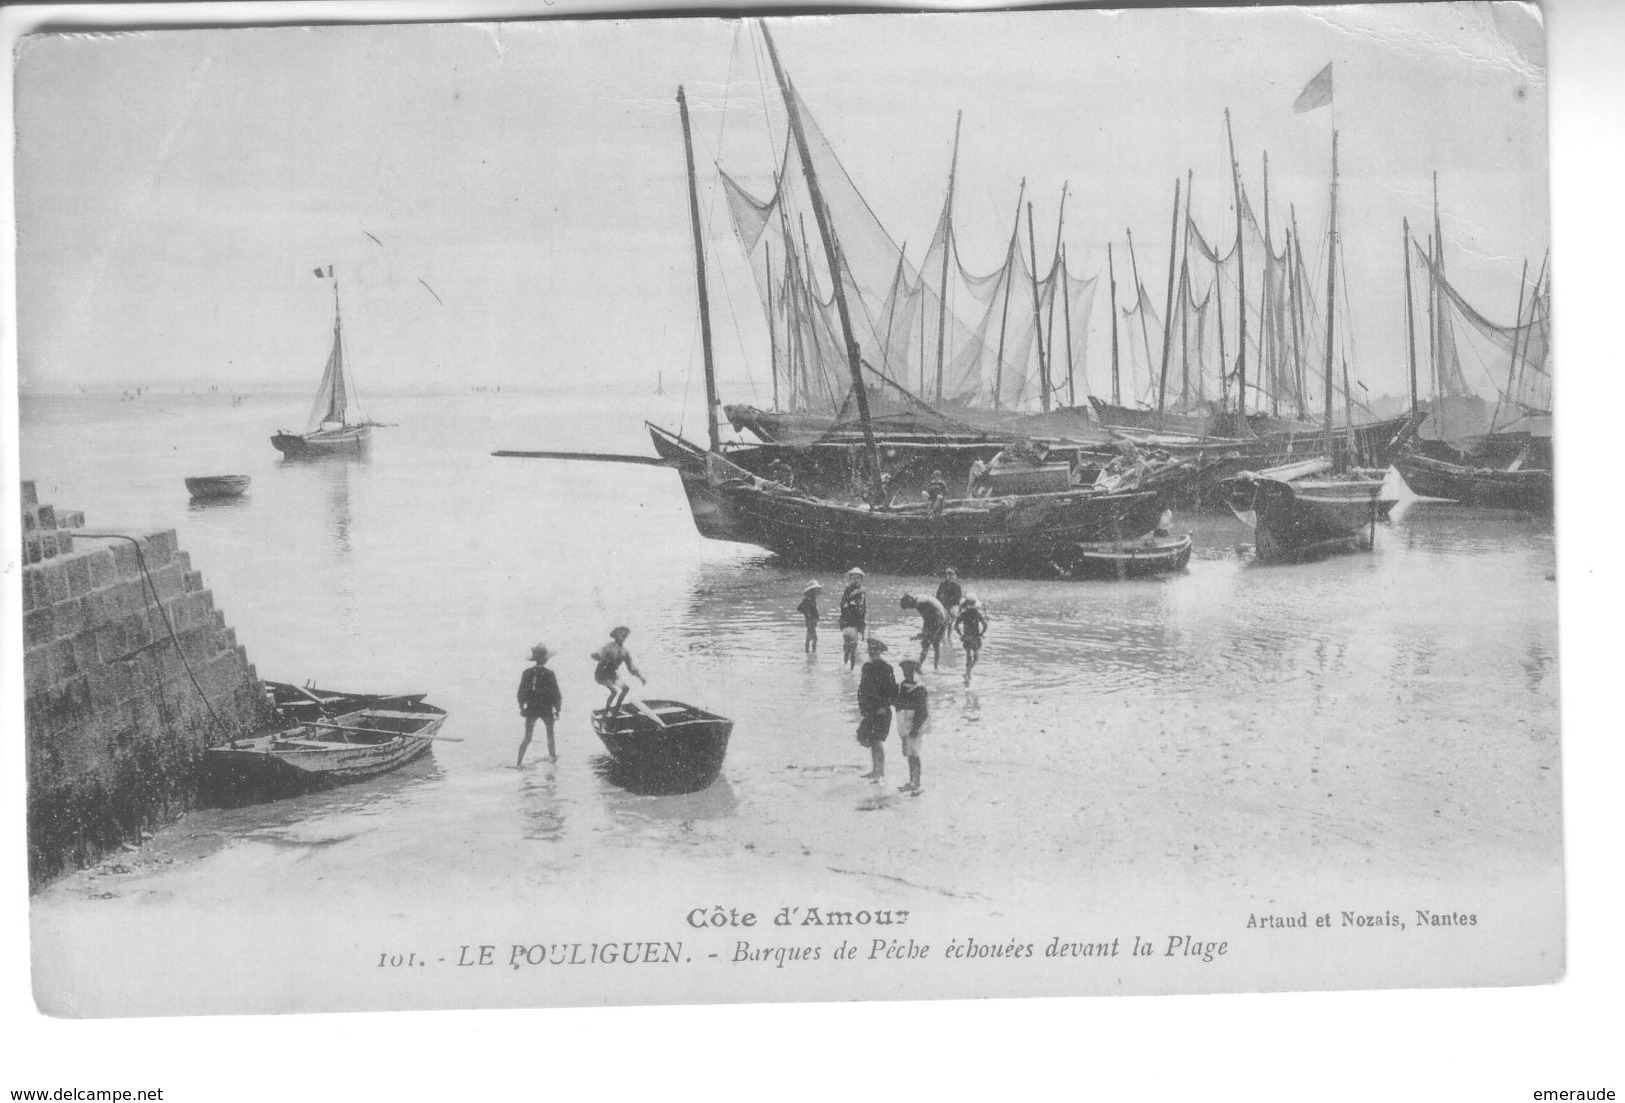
330	430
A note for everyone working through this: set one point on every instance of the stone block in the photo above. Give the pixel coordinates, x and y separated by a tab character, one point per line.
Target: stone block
55	575
72	619
170	582
33	587
74	519
31	550
77	568
47	517
125	561
64	661
103	569
64	542
36	670
30	520
30	496
39	628
159	547
112	641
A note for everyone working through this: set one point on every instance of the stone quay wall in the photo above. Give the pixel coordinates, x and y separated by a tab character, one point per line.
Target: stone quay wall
129	673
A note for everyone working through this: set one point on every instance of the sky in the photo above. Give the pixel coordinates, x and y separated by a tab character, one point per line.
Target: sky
176	189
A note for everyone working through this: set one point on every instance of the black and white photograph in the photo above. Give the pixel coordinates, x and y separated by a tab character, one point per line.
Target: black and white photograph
708	509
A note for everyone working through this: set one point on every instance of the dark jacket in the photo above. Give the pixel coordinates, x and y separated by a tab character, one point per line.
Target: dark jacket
854	608
877	688
913	696
950	593
539	692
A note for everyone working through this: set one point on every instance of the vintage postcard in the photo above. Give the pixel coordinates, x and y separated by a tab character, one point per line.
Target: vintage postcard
851	507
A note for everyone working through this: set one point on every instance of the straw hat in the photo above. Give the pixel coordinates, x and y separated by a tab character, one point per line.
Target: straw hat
909	666
540	651
876	646
970	601
811	586
619	633
855	571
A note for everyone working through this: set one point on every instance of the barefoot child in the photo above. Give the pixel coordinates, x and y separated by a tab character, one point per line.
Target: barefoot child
933	625
608	674
809	613
911	717
971	627
539	699
877	689
854	616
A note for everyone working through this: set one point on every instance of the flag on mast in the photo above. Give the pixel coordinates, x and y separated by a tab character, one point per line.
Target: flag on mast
324	273
1317	93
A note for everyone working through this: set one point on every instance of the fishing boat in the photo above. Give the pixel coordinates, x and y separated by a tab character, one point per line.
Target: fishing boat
330	430
349	747
217	486
663	746
1511	488
1306	509
298	704
1124	559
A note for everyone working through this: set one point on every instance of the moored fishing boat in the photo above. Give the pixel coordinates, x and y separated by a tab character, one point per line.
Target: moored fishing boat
1305	509
217	486
1520	488
1124	559
316	754
330	430
663	746
297	704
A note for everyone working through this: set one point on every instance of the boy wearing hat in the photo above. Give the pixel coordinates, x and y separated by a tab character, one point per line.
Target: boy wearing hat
854	616
608	674
539	699
971	627
950	593
877	689
809	613
911	717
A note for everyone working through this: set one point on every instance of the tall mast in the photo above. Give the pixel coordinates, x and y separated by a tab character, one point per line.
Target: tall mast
1066	318
1410	318
1331	296
1038	318
897	283
1185	330
1218	312
772	332
1060	219
1241	280
1295	247
1521	360
1433	339
699	279
831	252
1145	333
1437	316
947	253
1111	270
1512	366
1009	278
1269	356
1168	309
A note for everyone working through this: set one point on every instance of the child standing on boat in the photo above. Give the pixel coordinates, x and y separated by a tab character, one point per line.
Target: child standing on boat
809	613
854	616
971	626
539	699
912	713
877	689
610	659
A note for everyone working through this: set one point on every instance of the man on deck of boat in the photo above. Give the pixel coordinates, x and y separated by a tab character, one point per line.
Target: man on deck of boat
539	699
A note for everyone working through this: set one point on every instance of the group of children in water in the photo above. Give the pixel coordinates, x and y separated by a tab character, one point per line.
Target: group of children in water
880	695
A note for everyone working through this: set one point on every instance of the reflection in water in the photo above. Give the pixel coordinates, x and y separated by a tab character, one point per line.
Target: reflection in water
715	802
543	811
204	505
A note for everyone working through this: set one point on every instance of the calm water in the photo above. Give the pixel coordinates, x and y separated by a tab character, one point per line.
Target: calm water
1388	712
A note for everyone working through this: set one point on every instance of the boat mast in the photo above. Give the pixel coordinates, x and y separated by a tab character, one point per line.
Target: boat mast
1139	299
1066	320
1521	359
1433	340
1218	312
1410	319
1057	273
1331	296
831	252
1009	278
1512	367
947	254
1168	309
1295	247
1038	317
772	334
1269	356
699	279
1241	280
1111	271
1438	317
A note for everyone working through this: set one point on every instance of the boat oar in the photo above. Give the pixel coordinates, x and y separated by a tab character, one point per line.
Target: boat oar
383	731
598	457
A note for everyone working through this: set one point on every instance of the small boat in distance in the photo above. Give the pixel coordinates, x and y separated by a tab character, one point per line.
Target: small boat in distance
330	430
1123	559
321	754
663	747
217	486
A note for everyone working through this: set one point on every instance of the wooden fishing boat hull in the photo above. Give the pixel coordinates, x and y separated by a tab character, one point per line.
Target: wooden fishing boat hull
348	441
1527	489
217	486
682	757
314	756
1306	517
1125	559
295	705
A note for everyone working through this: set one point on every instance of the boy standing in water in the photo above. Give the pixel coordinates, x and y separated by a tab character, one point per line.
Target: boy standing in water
609	659
877	689
809	613
950	594
539	699
971	627
933	625
911	717
854	616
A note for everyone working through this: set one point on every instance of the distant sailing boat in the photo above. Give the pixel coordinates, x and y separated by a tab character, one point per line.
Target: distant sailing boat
330	430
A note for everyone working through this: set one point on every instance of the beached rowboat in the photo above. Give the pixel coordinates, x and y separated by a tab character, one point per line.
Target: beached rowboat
684	756
1120	559
217	486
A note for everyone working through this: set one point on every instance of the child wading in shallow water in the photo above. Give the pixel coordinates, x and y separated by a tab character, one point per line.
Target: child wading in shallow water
809	613
877	689
911	717
608	674
971	627
539	699
854	616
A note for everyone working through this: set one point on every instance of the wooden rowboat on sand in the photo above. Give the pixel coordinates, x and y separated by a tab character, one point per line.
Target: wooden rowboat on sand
663	746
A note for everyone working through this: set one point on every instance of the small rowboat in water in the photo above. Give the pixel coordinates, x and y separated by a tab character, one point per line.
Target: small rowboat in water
321	754
1120	559
663	746
217	486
